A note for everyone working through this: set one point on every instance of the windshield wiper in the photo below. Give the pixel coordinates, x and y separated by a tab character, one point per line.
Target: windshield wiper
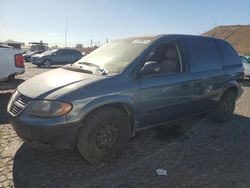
77	69
100	70
89	64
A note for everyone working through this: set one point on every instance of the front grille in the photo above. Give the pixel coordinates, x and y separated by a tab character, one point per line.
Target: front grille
15	109
17	103
23	100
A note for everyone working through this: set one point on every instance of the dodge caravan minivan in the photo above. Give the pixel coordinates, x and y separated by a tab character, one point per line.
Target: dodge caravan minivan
97	103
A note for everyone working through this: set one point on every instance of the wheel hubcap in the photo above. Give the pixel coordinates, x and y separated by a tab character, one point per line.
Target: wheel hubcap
47	64
107	137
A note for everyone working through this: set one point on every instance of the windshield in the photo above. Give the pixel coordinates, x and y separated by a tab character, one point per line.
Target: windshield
48	52
244	59
115	56
31	53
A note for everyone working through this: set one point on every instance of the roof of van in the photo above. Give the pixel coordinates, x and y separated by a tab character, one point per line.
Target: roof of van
155	37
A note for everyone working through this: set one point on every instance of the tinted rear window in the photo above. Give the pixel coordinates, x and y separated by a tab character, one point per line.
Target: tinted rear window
229	55
203	54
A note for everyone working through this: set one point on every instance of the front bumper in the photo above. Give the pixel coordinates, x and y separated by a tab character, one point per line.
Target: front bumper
45	133
37	62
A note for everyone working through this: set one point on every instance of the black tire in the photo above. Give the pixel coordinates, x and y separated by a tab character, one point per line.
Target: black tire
11	78
104	134
225	109
47	63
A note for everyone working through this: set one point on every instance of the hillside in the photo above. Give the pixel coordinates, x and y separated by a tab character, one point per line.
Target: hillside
237	35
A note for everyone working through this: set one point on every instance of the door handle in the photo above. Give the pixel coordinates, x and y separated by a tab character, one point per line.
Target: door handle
185	86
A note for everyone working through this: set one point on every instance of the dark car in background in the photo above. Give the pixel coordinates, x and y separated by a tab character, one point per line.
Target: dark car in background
127	85
56	57
27	56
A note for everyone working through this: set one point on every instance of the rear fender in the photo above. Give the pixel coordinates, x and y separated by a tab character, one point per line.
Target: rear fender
233	85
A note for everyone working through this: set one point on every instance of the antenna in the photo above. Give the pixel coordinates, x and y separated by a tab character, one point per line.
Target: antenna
66	29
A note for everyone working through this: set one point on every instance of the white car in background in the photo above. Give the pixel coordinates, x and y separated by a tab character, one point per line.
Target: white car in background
11	63
246	64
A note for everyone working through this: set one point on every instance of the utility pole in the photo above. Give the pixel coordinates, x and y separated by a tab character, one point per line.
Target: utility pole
66	29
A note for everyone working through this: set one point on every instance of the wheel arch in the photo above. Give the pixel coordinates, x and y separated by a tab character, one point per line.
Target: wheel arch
233	89
125	104
232	86
47	59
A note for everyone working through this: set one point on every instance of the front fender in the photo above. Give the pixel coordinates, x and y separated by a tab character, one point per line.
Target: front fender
83	108
107	100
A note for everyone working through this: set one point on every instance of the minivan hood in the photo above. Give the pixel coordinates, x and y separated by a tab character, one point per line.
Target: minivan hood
46	83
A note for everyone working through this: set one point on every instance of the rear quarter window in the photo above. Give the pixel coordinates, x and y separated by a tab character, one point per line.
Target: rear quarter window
229	56
203	54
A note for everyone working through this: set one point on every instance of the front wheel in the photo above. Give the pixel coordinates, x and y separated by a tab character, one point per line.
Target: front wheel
104	134
225	109
47	63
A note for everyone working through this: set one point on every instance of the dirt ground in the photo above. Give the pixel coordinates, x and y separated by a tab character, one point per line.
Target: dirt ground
195	153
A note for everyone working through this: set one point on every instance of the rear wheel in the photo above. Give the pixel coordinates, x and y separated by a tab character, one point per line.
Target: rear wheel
225	109
104	134
47	63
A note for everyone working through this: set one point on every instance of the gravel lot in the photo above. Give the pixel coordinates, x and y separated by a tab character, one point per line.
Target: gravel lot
195	153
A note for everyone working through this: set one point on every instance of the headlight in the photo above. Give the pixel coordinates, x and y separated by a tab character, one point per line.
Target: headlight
50	108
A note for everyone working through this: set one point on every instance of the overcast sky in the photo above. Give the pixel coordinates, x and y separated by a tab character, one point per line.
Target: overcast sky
33	20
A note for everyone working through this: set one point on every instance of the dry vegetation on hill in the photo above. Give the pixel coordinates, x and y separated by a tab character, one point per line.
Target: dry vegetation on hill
237	35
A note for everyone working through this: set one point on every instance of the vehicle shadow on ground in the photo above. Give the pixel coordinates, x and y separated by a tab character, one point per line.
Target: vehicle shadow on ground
4	99
33	168
11	84
172	131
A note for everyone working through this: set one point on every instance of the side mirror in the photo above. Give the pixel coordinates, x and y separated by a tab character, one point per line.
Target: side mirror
150	67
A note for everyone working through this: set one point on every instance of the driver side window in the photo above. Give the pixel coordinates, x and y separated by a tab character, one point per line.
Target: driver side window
61	52
168	57
58	52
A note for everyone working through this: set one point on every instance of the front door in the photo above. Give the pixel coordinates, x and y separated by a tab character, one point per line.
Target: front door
60	58
164	98
166	95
